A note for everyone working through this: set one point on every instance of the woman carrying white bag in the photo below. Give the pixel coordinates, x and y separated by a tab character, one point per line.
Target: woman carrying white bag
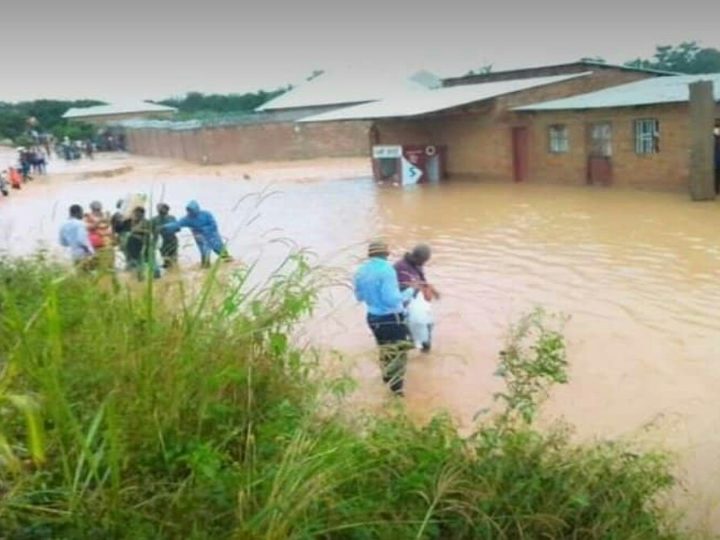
411	273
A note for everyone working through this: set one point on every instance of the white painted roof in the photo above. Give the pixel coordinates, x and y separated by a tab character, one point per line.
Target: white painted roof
117	108
346	87
419	102
654	91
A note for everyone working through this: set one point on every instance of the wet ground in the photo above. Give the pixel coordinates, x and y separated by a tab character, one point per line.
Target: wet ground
638	272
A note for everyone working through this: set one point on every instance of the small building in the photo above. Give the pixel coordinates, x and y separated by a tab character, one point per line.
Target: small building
106	114
343	88
641	134
476	123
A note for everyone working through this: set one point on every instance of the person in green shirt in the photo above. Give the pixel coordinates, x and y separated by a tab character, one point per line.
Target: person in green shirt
140	245
169	244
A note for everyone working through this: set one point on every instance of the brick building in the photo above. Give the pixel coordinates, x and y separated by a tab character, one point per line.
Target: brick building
572	123
271	133
641	134
475	121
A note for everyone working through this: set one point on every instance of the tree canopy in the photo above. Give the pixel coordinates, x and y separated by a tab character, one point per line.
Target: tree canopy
687	57
197	102
16	118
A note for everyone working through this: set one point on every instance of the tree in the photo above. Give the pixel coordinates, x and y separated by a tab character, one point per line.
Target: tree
197	102
687	57
47	113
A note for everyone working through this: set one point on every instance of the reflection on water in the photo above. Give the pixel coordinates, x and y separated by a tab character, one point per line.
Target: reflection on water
638	273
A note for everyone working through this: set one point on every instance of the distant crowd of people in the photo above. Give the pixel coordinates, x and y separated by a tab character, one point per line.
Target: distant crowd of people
30	161
94	238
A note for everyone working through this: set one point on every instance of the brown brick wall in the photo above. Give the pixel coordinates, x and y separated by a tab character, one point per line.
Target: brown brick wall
255	142
667	169
545	71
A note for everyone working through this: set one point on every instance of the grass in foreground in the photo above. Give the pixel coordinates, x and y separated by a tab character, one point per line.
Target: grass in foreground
121	418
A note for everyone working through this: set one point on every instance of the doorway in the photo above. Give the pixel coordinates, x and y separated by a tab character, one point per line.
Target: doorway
520	150
599	168
716	156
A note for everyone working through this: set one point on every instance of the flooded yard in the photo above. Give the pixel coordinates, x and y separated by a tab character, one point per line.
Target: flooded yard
638	273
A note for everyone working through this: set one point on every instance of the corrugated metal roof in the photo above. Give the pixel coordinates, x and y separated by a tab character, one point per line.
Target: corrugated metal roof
646	92
215	120
117	108
421	102
348	87
537	71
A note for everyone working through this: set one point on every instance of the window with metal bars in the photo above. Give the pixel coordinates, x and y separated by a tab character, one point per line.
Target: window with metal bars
647	136
558	138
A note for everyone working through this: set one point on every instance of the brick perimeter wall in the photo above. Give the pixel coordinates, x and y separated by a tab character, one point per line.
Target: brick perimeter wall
256	142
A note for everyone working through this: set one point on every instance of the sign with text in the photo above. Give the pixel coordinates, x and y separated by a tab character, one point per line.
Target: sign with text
387	152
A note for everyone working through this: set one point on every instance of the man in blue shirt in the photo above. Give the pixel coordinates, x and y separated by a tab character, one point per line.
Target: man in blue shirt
74	235
376	285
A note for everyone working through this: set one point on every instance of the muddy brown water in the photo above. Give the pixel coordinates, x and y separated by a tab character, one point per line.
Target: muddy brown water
637	272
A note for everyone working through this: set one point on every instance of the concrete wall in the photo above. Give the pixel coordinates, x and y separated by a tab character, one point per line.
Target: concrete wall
253	142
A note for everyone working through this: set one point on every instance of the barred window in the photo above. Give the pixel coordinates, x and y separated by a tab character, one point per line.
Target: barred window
647	136
558	136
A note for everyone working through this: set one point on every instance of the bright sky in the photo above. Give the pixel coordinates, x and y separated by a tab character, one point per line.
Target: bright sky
150	49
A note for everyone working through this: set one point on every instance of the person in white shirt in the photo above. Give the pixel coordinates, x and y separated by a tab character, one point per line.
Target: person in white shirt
74	236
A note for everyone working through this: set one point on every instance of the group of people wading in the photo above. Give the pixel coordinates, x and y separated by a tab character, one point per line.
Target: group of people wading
388	291
93	238
30	162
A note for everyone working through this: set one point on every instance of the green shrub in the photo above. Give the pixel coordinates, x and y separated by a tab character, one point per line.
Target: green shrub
199	420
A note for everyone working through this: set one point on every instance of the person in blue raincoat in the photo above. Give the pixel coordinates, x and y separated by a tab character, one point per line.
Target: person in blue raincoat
204	228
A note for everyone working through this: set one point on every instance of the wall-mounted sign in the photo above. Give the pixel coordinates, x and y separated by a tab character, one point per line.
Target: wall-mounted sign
387	152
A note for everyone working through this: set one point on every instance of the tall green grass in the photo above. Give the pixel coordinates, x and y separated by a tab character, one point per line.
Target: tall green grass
125	415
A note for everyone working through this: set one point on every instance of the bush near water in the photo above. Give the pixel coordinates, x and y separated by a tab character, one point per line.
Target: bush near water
123	416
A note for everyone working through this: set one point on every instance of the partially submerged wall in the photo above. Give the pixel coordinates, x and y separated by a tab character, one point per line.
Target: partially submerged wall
272	141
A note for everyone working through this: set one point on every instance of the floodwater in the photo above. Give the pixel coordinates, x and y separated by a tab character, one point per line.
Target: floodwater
637	272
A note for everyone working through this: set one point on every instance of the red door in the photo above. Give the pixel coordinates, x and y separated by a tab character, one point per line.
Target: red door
520	148
599	168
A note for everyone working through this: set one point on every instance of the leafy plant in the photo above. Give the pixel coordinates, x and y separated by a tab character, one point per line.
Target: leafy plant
533	360
170	414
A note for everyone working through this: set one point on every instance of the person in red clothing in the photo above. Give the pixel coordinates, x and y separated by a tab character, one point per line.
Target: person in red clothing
410	272
15	178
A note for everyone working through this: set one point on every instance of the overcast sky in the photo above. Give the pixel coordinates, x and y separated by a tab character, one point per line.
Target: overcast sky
150	49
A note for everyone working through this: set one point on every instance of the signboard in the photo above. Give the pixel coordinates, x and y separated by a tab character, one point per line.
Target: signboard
411	174
387	152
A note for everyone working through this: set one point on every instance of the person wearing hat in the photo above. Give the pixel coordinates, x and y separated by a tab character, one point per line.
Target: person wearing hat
376	285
